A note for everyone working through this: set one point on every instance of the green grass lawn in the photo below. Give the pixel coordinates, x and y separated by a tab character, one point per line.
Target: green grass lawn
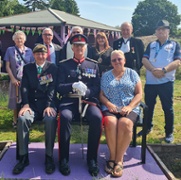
37	132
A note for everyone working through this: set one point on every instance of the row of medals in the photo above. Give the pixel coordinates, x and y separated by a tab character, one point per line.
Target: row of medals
86	74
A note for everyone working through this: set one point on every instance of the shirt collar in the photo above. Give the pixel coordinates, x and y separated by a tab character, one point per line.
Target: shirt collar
40	66
51	44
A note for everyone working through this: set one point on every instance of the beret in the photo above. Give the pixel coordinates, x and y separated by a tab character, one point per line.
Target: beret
40	48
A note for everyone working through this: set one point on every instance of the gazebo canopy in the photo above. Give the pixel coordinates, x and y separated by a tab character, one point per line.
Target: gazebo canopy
52	17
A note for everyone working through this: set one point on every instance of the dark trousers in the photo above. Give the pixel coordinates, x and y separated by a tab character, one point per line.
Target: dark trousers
165	93
93	116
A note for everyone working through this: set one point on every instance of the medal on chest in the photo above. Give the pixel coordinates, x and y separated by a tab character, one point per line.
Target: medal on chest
45	79
90	73
78	70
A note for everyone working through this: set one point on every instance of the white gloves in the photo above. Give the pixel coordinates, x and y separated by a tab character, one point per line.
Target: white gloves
80	88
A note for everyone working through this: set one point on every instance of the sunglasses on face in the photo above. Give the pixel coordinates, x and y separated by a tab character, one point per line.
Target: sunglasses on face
76	32
47	34
114	60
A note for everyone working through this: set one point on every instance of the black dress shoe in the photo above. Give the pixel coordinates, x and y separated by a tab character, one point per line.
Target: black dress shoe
93	168
49	164
141	132
23	162
64	167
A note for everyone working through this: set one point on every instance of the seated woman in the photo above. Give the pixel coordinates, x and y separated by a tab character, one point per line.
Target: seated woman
121	93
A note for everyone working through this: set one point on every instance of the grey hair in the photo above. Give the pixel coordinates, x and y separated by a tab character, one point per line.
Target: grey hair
18	33
77	27
47	29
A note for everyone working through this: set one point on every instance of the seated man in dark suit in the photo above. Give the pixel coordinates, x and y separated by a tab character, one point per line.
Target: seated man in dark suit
53	50
133	48
37	90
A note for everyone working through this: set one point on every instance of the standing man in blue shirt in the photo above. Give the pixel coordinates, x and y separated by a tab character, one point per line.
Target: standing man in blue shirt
161	59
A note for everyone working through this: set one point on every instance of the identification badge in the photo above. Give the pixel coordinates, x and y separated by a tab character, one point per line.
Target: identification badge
45	79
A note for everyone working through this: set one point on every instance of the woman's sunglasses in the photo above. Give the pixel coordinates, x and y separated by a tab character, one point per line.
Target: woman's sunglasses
114	60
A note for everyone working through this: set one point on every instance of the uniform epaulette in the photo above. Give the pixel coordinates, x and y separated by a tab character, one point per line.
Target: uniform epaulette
89	59
64	60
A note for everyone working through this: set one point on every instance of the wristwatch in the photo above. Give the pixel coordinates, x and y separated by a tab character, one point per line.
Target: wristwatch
164	70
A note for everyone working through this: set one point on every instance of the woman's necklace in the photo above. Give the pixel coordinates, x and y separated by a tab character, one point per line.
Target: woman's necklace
100	54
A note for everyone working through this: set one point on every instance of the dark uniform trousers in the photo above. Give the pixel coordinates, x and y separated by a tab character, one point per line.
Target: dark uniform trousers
93	116
24	124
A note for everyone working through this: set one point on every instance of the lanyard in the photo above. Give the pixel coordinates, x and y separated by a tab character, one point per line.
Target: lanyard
159	47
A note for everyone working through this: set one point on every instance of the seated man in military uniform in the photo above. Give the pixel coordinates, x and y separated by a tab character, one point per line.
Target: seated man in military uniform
79	75
37	90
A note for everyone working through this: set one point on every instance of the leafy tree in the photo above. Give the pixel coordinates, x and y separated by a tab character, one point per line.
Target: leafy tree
34	5
57	4
69	6
11	7
18	9
149	12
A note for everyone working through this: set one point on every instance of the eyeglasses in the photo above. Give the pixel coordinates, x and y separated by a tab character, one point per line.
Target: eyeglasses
75	32
114	60
47	34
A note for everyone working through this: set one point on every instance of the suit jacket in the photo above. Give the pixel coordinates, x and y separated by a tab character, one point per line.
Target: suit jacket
57	51
39	96
64	50
134	57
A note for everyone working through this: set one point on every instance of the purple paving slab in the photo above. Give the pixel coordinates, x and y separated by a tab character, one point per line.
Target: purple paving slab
133	170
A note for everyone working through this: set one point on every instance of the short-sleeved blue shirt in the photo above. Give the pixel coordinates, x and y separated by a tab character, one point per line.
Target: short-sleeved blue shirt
120	92
160	56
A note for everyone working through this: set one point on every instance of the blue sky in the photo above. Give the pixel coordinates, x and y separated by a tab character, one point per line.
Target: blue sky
110	12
